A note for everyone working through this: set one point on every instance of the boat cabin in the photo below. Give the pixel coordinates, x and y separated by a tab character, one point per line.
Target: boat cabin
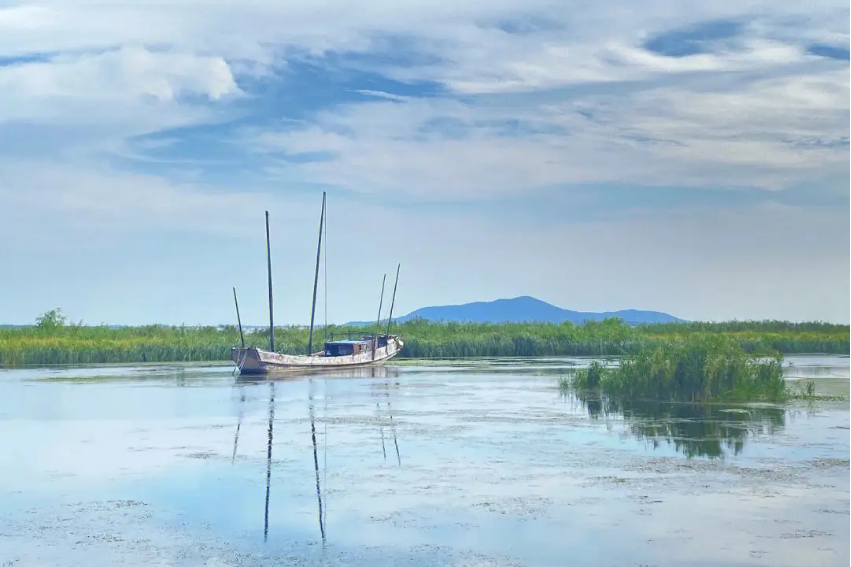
348	347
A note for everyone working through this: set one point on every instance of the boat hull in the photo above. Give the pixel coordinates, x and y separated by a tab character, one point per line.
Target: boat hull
258	361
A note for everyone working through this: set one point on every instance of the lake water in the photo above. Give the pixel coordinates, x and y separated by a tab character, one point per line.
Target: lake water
447	463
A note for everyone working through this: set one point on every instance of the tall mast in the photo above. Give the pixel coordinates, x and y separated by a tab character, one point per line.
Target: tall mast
378	322
393	301
238	320
269	269
316	277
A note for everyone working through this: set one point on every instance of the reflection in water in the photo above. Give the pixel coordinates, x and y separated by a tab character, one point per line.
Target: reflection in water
269	460
180	377
322	505
803	370
324	373
316	465
381	430
393	427
385	393
238	424
695	430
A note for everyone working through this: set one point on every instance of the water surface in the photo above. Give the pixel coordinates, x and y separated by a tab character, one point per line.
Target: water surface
447	463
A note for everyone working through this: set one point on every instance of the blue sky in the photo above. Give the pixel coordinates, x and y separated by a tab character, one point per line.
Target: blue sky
653	155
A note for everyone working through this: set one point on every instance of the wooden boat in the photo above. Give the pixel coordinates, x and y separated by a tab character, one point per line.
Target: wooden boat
258	361
365	350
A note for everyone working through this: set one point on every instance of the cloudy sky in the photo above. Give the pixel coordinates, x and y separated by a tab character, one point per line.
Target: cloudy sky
689	158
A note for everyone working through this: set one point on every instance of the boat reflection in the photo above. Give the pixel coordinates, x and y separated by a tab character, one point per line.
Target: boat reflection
269	444
695	430
328	373
269	460
238	424
385	419
316	464
383	391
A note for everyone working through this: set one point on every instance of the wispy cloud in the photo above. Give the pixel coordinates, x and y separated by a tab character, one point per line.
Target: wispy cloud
730	60
770	133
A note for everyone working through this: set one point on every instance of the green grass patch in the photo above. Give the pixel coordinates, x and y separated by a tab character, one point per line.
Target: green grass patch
696	369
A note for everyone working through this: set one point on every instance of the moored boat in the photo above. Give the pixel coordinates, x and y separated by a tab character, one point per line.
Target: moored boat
360	353
365	350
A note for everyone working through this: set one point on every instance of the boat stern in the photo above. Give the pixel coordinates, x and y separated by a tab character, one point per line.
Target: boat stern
247	360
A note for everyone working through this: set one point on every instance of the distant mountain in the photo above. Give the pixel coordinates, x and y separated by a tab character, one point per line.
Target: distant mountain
527	309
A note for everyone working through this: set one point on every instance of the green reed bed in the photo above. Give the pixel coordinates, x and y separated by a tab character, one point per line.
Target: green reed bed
695	369
53	341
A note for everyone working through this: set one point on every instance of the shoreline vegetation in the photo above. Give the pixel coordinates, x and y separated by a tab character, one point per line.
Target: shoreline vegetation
53	341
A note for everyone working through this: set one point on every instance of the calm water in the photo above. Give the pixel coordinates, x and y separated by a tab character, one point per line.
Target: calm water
481	463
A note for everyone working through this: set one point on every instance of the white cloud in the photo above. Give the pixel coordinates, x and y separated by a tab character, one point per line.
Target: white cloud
553	64
126	77
772	133
108	73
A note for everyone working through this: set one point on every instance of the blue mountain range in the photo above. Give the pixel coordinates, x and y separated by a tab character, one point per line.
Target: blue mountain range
527	309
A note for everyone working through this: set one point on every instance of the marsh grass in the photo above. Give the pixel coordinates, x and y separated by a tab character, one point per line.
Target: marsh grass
697	369
53	341
806	390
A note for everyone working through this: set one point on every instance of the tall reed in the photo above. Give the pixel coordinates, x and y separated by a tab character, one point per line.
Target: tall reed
695	369
55	342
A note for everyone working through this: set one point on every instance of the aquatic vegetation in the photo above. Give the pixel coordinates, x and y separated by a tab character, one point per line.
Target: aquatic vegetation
809	388
697	369
53	341
590	377
806	390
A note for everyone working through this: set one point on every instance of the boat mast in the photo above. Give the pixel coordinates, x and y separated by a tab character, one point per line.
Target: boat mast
238	320
269	270
378	322
393	301
316	278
